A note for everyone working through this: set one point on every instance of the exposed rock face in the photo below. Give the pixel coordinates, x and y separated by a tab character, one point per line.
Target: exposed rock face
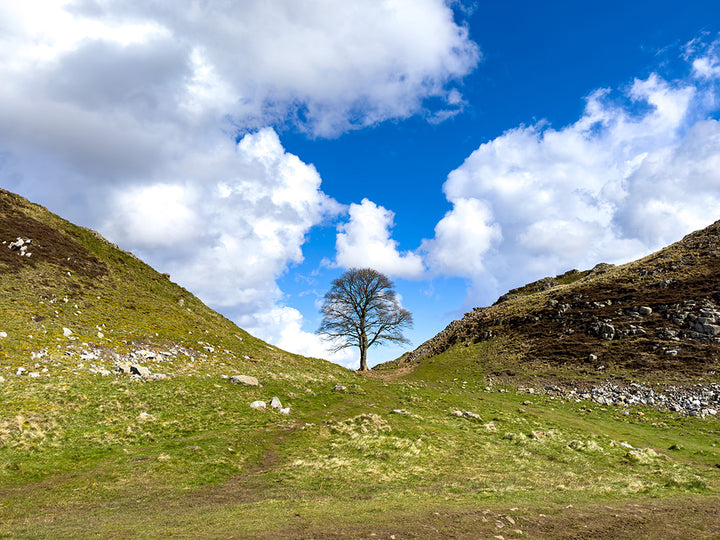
659	313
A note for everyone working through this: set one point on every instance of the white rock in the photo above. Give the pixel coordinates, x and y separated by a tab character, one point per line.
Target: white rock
258	405
3	334
275	403
21	371
34	374
67	332
2	379
286	410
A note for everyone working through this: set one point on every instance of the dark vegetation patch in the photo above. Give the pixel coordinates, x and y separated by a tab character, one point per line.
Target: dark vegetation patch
49	244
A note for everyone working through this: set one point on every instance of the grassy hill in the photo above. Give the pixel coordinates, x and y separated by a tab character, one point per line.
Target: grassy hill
655	319
442	447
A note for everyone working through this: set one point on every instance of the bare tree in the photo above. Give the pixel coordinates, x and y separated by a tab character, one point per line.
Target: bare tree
362	310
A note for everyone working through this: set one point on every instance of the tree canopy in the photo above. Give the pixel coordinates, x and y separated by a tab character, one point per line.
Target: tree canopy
360	310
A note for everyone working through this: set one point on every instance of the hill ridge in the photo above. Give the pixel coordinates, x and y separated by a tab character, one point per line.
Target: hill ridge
659	314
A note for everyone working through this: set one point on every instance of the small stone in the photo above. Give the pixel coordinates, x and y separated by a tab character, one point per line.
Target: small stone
34	374
67	332
100	335
258	405
339	388
286	410
645	310
3	334
468	414
275	403
2	379
21	371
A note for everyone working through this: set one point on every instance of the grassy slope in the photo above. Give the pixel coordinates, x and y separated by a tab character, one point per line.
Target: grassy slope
83	455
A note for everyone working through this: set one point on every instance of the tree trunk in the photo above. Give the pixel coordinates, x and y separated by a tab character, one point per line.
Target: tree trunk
363	358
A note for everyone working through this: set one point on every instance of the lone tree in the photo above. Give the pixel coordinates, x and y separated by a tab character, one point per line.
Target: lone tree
361	310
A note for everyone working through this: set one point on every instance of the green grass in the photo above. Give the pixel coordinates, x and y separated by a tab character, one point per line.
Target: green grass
86	451
84	455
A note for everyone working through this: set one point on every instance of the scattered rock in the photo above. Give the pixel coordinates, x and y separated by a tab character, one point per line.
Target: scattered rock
3	334
339	388
258	405
286	410
2	379
67	332
21	371
244	379
275	403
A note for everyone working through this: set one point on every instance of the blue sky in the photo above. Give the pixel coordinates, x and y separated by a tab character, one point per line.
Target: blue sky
256	150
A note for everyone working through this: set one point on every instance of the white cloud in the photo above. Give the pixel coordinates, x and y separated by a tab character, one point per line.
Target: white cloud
629	176
364	242
282	326
123	116
328	66
231	224
462	238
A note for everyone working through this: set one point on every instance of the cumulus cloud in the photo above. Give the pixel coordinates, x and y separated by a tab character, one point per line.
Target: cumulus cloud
326	65
124	116
639	169
230	227
364	242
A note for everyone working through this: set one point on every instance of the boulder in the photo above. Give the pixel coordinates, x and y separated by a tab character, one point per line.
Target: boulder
275	403
123	367
258	405
607	331
140	370
244	379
